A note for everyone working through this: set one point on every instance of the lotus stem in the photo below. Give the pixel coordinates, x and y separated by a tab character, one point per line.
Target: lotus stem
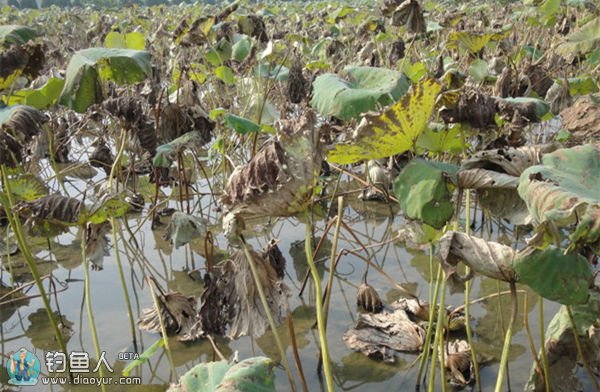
433	293
580	353
468	295
15	224
507	338
543	343
320	318
336	234
439	330
88	303
163	328
113	223
294	343
265	304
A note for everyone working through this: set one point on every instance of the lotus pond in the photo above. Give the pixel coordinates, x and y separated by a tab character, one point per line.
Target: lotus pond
258	197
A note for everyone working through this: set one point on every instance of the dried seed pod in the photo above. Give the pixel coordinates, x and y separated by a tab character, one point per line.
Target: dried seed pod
297	84
368	299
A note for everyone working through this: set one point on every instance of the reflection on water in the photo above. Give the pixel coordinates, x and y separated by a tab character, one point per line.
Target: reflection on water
27	325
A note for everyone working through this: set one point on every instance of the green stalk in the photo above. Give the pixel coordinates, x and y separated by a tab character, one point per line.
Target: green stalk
336	235
113	223
507	338
439	331
433	294
543	343
18	230
163	329
584	360
88	304
320	319
265	304
468	299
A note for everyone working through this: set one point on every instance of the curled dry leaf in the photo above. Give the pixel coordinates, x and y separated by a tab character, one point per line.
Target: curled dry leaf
474	108
96	244
368	299
49	214
409	13
488	258
458	362
511	161
18	125
380	335
178	312
297	85
230	304
582	120
278	180
558	97
102	157
129	110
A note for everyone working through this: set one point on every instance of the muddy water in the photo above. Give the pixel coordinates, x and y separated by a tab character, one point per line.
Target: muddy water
27	326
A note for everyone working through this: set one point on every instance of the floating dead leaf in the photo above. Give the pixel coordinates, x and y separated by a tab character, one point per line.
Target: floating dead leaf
380	335
368	299
458	362
178	312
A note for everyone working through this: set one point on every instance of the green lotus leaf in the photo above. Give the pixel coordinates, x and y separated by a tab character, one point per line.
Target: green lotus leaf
363	90
15	35
89	67
565	192
423	191
582	41
554	275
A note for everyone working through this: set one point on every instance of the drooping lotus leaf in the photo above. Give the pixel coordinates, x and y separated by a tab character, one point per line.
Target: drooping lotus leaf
15	34
250	375
365	89
183	228
89	67
550	273
167	153
561	349
40	98
565	191
393	131
241	125
581	41
473	41
134	40
423	191
554	275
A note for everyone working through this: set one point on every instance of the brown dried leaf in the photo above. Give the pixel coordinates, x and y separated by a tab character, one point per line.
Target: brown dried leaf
230	303
409	13
458	362
278	180
96	244
511	161
488	258
297	85
583	120
178	312
379	335
474	108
